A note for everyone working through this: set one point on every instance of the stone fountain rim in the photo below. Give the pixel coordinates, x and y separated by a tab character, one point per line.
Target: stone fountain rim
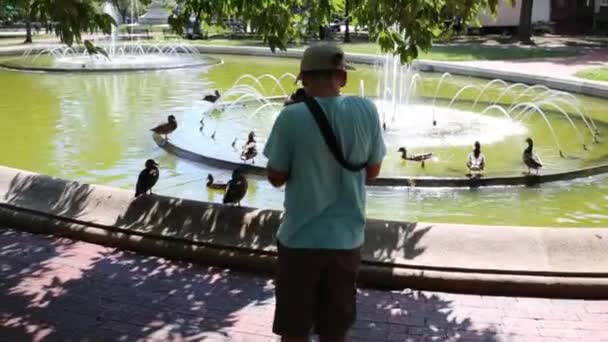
212	61
533	261
427	181
424	182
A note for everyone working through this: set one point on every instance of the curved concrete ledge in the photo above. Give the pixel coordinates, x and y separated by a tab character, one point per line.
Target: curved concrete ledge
568	263
524	180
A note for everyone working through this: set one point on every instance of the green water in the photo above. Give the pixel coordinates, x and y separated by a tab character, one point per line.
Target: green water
95	128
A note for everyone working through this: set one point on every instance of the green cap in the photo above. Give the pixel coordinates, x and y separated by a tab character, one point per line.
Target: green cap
323	56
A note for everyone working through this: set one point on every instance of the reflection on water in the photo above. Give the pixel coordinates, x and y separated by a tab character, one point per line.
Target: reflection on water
95	128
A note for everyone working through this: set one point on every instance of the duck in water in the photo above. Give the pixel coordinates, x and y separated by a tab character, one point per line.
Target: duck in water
166	128
236	189
147	178
212	97
476	161
213	185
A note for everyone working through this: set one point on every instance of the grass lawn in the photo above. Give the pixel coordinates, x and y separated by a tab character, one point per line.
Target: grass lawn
467	52
595	74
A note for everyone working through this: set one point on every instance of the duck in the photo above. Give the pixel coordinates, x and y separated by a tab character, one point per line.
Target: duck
250	138
212	97
235	189
530	159
249	153
147	178
215	186
166	128
298	96
476	162
415	157
249	149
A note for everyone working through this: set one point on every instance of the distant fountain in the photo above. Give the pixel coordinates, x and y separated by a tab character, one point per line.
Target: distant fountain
123	55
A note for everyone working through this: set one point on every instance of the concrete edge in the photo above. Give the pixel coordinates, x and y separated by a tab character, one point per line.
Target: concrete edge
371	275
527	180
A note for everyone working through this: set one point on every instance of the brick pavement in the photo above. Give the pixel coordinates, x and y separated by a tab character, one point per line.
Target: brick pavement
55	289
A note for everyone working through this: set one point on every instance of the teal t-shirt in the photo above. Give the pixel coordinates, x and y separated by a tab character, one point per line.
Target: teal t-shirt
325	203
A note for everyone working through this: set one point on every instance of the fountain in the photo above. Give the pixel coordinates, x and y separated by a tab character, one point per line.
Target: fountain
129	55
447	119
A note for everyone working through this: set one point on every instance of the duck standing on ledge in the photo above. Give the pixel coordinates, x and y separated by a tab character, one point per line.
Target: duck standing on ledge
531	160
166	128
249	149
422	157
147	178
215	186
212	97
236	188
476	162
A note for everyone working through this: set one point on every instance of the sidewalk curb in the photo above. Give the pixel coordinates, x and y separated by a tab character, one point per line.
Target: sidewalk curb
371	274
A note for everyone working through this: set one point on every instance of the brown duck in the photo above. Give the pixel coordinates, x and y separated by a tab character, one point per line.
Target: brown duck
166	128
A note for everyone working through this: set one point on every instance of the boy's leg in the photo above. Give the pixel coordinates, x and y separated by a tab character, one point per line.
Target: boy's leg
338	295
296	292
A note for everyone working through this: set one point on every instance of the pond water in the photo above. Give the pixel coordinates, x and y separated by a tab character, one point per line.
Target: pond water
94	127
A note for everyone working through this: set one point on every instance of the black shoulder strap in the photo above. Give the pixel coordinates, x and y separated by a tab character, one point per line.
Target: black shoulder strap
328	135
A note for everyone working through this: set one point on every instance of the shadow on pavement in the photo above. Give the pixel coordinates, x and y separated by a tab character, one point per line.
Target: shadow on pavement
61	290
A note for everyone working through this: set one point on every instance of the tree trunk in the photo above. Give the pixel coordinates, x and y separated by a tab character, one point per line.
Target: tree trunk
524	33
346	22
321	32
28	31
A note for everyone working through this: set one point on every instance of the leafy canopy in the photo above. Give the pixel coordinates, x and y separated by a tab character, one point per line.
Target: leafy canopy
401	26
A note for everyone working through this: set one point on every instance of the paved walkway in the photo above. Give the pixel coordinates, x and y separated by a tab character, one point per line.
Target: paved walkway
62	290
564	67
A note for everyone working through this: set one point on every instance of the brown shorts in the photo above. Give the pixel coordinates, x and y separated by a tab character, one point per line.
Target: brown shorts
315	289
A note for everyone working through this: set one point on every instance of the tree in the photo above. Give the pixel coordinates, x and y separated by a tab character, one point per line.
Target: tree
72	17
346	22
401	26
524	32
125	7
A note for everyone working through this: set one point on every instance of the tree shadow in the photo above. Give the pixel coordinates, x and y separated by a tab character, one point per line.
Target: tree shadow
44	193
202	222
415	316
61	290
388	241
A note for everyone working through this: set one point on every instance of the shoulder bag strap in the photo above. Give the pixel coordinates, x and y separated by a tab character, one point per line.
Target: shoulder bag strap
329	136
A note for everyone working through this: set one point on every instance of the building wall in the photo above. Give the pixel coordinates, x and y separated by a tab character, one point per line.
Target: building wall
509	15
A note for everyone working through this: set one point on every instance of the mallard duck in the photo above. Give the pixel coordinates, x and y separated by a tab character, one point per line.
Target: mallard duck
236	188
147	178
215	186
415	157
212	97
166	128
250	138
531	160
476	161
249	153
